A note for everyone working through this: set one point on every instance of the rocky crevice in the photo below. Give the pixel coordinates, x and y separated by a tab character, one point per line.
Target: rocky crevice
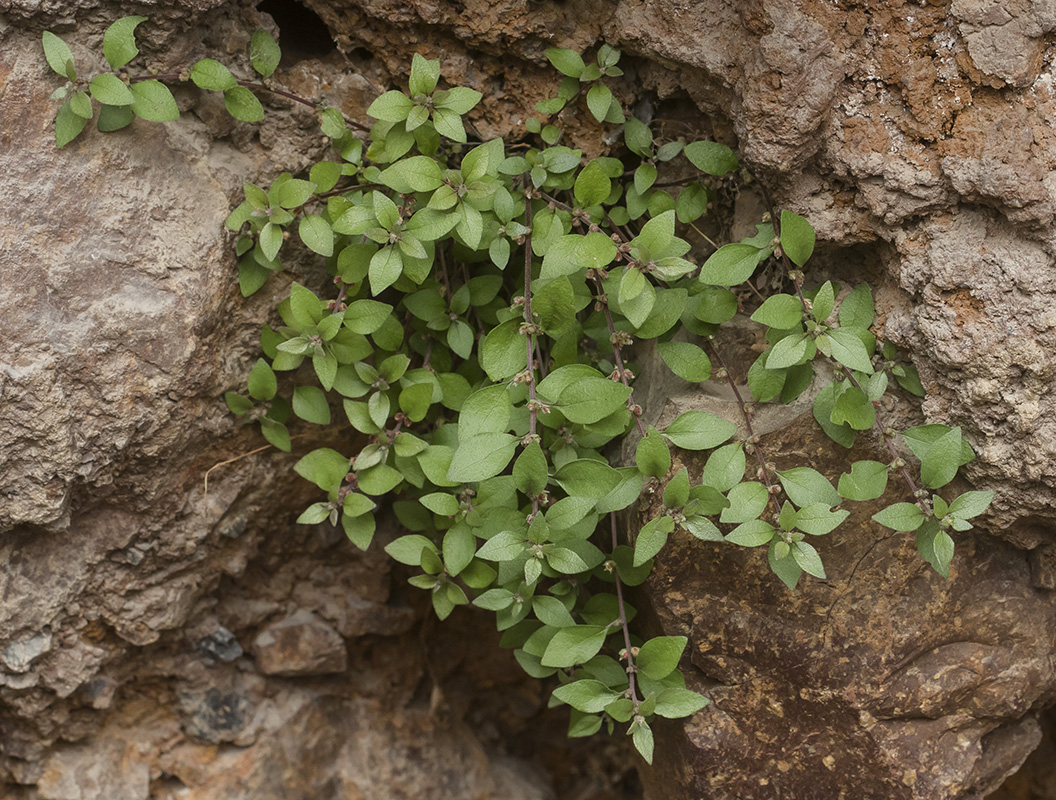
191	637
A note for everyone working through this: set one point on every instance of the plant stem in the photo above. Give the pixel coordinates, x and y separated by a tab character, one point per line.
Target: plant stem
621	606
752	438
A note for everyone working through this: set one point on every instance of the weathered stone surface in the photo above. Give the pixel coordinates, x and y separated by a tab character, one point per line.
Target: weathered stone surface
917	137
301	644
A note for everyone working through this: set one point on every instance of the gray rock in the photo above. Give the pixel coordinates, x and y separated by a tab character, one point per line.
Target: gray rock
19	655
220	644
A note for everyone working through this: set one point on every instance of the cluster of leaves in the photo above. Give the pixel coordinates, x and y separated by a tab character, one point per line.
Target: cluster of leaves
123	97
485	298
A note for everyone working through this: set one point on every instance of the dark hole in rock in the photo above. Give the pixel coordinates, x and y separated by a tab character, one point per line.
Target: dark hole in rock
302	33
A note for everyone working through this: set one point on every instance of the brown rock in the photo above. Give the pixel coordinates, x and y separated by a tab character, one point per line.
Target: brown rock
301	644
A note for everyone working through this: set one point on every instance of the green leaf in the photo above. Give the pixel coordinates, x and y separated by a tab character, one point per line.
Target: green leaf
567	62
289	193
848	349
781	311
58	55
415	401
900	517
494	599
119	41
703	529
568	512
747	501
316	234
237	403
270	240
212	75
867	480
81	104
379	480
391	107
676	703
652	456
408	549
359	529
458	100
824	404
264	53
504	546
366	316
921	439
699	430
692	202
686	360
659	656
970	504
114	118
711	157
309	403
574	645
325	366
592	186
856	310
591	399
111	90
414	174
482	456
530	470
449	124
504	351
789	351
652	538
731	264
314	514
935	546
243	105
154	102
67	125
817	520
940	463
823	302
853	408
324	467
676	493
572	253
638	137
642	736
752	533
567	561
804	486
487	410
797	237
459	547
386	267
424	75
441	503
783	564
275	433
644	178
725	467
555	303
588	696
262	382
808	559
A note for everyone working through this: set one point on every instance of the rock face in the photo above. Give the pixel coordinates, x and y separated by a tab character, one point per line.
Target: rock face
157	639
